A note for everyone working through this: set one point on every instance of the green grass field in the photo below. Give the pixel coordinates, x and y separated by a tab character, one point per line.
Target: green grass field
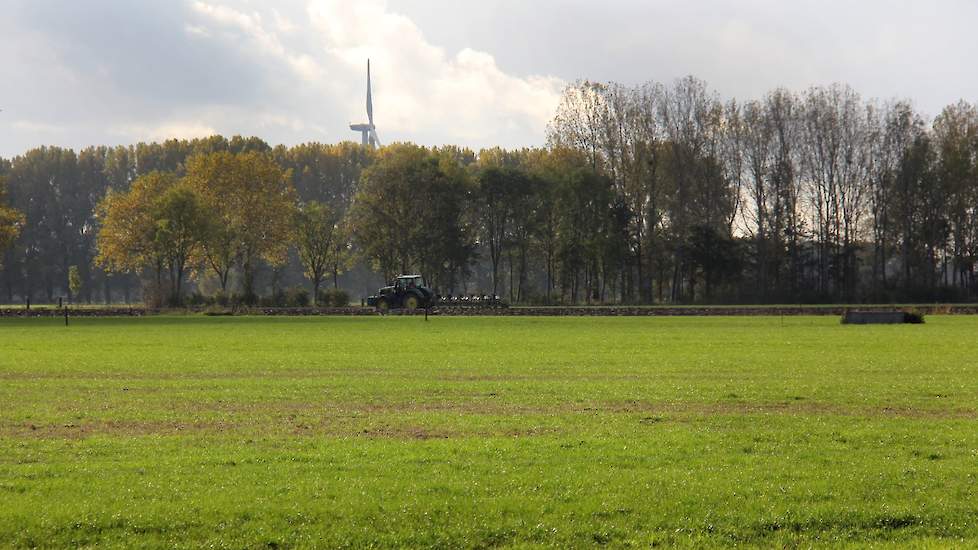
483	432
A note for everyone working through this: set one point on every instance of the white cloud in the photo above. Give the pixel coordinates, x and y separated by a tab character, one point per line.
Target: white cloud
288	73
421	89
421	93
181	130
165	130
471	72
37	127
282	23
252	25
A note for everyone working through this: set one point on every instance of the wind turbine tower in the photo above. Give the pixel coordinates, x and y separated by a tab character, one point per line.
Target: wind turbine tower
368	131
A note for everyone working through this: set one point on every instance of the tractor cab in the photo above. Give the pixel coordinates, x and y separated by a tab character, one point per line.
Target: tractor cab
408	282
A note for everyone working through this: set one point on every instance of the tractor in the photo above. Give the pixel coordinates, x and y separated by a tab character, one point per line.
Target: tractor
406	292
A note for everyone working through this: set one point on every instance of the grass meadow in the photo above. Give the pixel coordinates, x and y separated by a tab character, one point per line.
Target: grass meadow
488	432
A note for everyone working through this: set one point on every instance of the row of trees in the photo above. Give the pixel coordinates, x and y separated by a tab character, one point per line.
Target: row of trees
644	194
793	197
58	192
415	209
229	211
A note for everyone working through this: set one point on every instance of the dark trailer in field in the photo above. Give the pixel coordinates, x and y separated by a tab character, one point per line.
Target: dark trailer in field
881	318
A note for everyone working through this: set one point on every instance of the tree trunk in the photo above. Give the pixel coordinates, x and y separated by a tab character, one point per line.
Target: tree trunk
512	297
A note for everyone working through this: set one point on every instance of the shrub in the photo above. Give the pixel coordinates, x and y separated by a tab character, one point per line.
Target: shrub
276	299
248	299
222	299
297	297
290	297
218	311
153	296
197	299
914	317
334	297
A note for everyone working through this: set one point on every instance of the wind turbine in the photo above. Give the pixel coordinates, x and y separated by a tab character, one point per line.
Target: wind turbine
368	131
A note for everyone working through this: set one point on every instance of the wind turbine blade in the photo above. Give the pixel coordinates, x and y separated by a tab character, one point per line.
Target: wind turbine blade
376	138
370	99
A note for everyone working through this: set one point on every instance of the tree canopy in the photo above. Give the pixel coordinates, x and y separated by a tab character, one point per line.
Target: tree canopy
11	222
410	214
251	201
655	193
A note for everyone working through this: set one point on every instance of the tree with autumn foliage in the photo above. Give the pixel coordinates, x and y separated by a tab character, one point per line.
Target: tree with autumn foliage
410	214
252	205
10	222
319	242
160	226
126	240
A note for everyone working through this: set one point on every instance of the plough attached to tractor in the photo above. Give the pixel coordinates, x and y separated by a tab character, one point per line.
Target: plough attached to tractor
472	301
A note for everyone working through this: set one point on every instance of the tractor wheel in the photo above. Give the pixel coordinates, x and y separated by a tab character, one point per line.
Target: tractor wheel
411	303
383	306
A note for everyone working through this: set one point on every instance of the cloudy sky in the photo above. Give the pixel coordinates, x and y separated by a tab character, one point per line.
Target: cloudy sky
471	72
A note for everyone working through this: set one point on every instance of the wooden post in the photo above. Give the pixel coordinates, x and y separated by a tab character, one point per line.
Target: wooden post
66	315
